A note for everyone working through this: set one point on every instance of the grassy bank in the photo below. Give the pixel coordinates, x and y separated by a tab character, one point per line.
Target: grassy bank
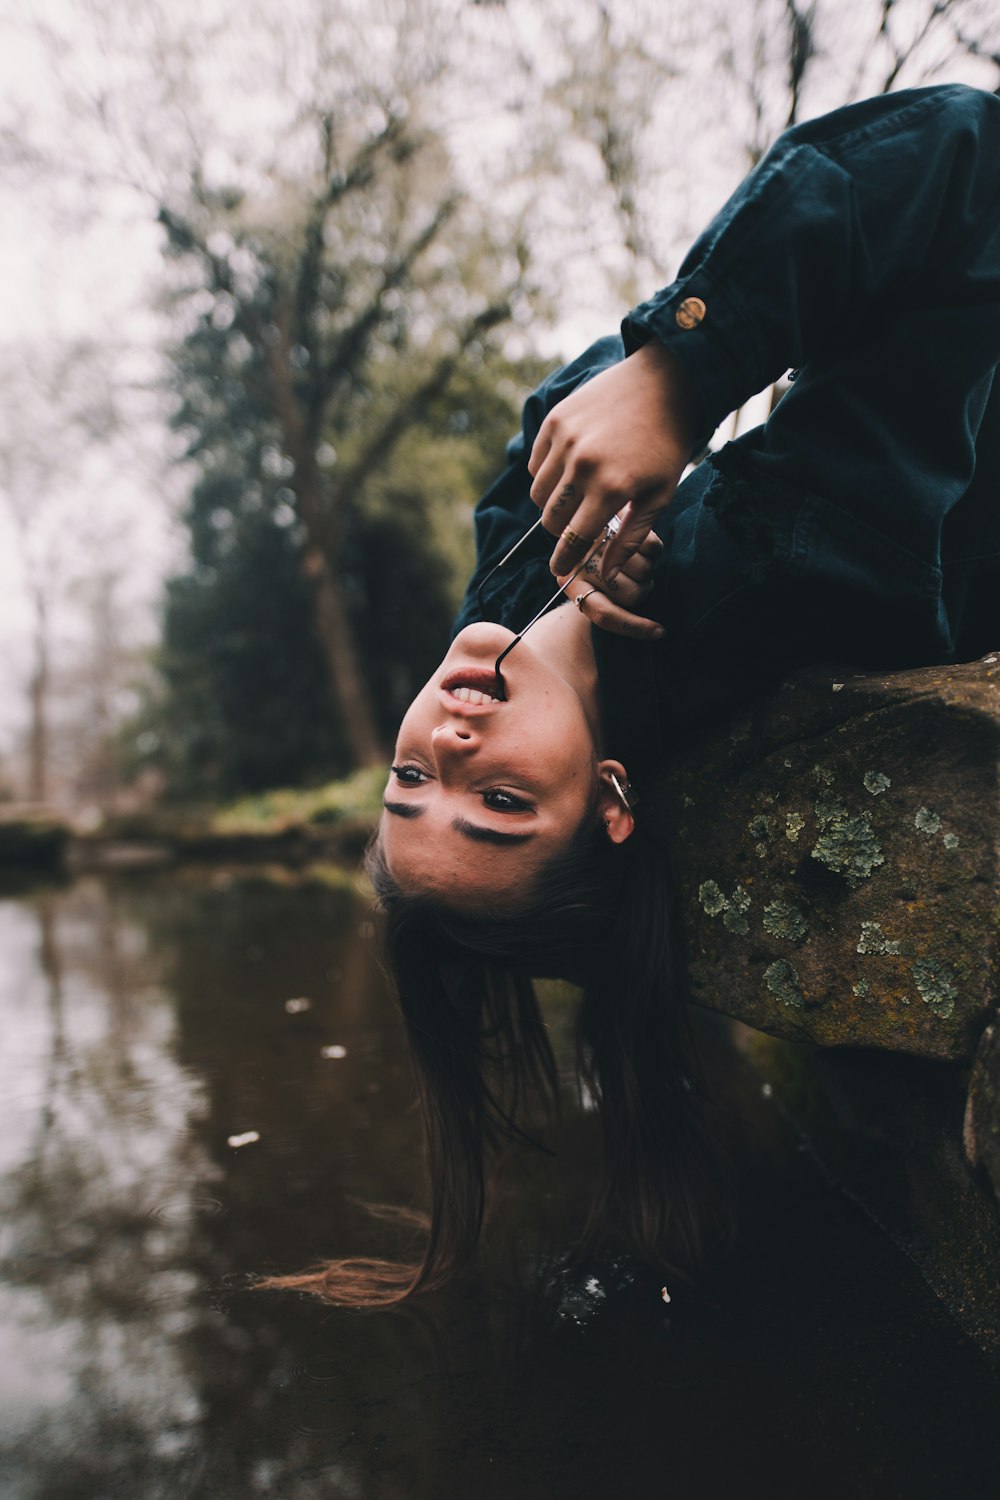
356	799
289	825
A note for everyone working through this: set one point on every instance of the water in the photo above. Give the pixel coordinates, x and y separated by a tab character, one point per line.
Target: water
152	1025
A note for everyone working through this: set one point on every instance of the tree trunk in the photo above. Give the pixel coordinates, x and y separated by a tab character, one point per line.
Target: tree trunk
38	693
300	431
350	692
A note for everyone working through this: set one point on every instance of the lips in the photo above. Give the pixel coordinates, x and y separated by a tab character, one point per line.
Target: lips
471	685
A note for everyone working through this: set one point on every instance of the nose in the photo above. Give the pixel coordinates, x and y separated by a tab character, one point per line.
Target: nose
453	741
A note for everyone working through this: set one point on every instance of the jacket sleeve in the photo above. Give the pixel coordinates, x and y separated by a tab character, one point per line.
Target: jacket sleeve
847	219
506	512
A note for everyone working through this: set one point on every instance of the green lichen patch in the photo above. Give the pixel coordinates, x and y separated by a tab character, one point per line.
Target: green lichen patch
783	982
874	940
732	909
761	828
734	917
711	897
783	919
823	775
925	821
862	989
876	782
936	985
951	841
794	824
829	809
849	848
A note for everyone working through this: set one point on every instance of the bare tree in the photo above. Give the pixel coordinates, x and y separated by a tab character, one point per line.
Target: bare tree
55	406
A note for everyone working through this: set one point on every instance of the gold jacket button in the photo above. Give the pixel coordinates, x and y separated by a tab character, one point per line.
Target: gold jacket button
690	312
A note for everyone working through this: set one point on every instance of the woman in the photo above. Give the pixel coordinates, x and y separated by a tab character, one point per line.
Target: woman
860	522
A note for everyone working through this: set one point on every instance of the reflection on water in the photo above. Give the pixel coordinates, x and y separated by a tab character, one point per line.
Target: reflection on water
203	1077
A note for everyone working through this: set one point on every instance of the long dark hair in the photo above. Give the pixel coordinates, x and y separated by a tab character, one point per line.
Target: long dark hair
599	915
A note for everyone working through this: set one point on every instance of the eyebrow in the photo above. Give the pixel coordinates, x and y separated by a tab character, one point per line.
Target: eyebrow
471	831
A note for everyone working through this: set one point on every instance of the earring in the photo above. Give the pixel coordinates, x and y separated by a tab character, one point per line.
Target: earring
625	794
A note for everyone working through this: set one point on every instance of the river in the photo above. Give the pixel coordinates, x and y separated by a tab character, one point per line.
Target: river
205	1078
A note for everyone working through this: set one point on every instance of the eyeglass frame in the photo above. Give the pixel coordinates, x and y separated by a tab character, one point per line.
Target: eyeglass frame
610	530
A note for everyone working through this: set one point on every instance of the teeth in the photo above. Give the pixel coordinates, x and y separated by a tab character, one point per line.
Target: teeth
471	695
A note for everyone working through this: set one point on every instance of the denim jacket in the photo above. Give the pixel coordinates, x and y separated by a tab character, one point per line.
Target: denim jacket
861	522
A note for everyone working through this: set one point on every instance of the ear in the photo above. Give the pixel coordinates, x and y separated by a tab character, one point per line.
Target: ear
618	820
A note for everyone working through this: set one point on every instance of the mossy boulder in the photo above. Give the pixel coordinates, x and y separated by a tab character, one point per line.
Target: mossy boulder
836	848
982	1115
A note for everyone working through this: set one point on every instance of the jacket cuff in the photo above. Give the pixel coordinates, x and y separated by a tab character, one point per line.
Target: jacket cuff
699	321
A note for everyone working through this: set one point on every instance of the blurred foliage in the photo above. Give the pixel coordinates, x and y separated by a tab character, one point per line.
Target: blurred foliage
243	698
330	310
358	796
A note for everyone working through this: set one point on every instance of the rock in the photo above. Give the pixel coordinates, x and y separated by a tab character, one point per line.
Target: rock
836	854
982	1115
887	1129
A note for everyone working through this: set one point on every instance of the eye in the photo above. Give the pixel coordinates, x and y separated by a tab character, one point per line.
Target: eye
500	801
409	775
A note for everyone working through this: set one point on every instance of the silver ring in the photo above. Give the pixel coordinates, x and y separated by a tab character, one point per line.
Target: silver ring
582	598
613	527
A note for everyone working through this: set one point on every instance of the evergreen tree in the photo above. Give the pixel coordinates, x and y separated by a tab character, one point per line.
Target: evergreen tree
245	700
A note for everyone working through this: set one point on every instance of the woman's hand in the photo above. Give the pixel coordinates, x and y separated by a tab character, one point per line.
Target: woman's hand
616	445
611	604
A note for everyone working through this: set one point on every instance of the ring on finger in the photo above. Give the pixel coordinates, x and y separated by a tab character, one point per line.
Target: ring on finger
581	599
574	539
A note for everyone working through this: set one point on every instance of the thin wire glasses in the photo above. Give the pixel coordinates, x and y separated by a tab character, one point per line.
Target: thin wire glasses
611	530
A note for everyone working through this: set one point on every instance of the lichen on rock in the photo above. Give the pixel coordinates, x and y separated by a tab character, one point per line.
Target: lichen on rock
734	917
783	982
783	919
874	940
876	782
829	808
711	897
926	821
732	909
849	847
761	828
794	824
936	985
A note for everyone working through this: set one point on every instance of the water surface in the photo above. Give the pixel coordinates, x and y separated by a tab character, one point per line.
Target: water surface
204	1078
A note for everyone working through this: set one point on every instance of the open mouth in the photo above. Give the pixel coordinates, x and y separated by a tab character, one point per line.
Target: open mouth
472	685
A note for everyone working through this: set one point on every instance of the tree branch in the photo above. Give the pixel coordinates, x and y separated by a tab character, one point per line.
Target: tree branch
382	441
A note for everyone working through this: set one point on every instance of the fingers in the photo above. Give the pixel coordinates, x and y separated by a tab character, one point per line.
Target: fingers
641	563
611	605
576	539
609	615
589	519
631	585
636	522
